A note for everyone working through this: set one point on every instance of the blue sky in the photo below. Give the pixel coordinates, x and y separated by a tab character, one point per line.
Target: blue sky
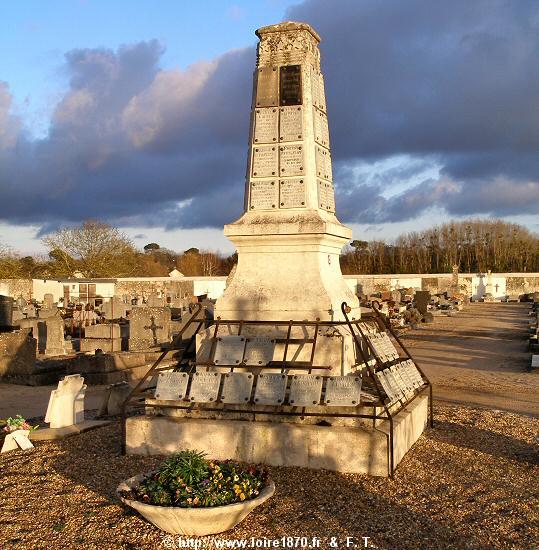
137	113
35	35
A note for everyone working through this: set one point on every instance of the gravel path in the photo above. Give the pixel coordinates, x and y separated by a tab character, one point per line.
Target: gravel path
479	357
467	483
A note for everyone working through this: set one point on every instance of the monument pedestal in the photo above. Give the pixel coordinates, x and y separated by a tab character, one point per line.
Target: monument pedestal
288	268
338	448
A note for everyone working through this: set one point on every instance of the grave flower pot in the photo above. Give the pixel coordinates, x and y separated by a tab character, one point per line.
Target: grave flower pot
189	495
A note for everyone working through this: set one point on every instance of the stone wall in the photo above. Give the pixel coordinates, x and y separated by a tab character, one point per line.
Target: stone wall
516	283
143	288
16	288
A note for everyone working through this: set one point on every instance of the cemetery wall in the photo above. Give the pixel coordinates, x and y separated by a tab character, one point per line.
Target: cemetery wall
143	287
515	283
16	288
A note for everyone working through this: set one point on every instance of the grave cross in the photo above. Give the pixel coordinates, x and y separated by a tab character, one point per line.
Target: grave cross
153	327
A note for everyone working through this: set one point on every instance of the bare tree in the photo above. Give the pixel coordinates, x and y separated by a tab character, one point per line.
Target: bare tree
94	248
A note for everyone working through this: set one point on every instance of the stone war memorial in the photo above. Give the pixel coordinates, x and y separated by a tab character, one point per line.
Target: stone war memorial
291	371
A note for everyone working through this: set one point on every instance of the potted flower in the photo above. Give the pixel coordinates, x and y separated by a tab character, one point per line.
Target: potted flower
191	495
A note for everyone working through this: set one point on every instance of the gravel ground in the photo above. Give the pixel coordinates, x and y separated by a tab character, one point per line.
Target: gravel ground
471	482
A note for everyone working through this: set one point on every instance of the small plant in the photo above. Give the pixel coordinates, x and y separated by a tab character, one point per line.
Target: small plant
17	423
188	480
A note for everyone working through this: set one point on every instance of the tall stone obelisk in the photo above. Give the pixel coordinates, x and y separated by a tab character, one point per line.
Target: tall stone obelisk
288	239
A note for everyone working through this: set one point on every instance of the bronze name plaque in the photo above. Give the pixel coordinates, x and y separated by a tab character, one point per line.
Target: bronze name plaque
266	125
264	195
265	161
267	88
291	125
292	193
290	85
291	160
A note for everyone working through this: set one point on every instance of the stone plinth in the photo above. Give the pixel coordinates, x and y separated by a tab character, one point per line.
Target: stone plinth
288	239
337	448
107	345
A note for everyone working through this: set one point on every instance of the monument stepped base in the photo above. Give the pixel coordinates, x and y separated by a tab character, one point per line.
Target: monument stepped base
337	448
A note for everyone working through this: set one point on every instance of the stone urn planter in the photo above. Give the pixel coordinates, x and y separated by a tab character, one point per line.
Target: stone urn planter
193	521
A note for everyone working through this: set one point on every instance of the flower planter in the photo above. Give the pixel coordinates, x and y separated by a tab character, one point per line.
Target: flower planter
193	521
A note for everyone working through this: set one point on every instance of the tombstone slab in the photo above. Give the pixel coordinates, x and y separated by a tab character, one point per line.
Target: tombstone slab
66	403
149	327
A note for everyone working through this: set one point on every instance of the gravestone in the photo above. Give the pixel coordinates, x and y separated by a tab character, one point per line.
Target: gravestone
149	327
114	308
422	300
51	335
48	307
66	403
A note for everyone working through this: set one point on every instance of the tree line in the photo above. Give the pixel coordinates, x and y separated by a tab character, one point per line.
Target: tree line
95	249
473	245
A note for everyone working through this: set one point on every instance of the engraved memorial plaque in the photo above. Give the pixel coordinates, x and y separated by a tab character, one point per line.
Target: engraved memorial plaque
321	92
328	169
265	161
204	387
381	376
292	193
315	87
291	160
290	85
270	389
322	194
171	385
266	125
414	373
237	387
258	351
403	386
320	156
267	87
317	118
325	128
264	195
229	350
291	124
397	390
330	197
305	390
343	391
408	382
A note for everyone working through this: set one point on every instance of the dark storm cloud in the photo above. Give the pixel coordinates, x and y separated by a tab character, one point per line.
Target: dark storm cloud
454	85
